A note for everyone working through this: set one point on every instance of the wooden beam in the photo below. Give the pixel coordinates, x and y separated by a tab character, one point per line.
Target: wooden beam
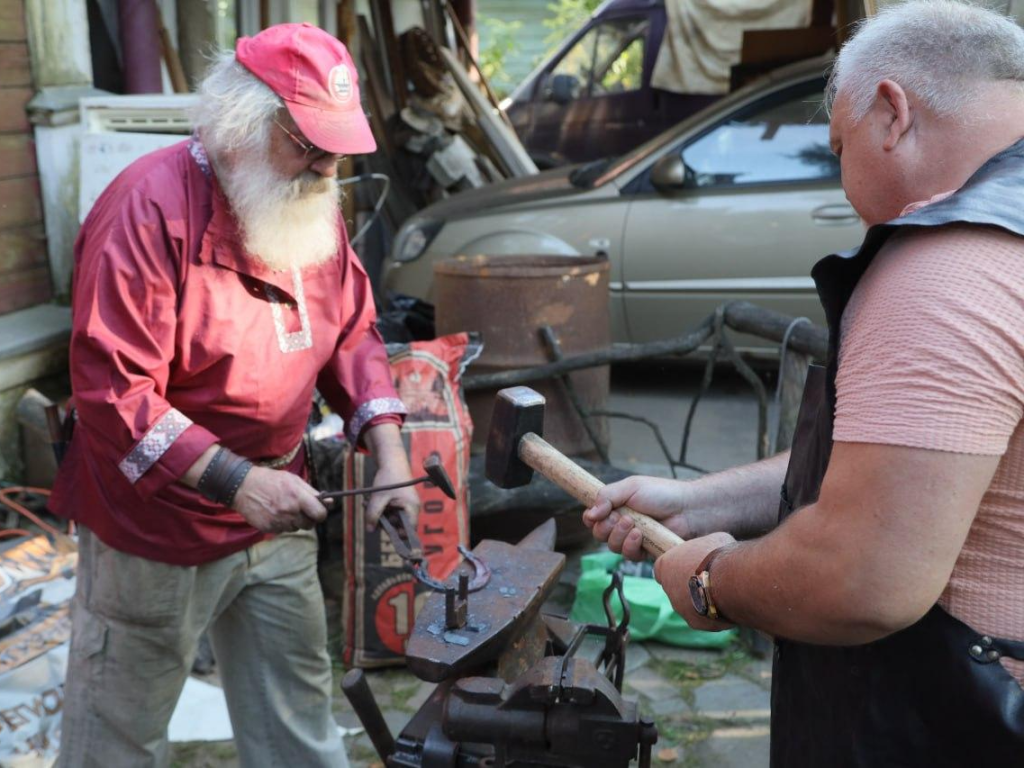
347	25
467	48
381	106
170	54
348	31
384	26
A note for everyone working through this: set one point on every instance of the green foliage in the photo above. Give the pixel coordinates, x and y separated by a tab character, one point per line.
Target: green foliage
502	41
566	17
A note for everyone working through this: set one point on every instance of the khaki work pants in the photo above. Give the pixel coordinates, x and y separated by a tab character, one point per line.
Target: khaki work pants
136	625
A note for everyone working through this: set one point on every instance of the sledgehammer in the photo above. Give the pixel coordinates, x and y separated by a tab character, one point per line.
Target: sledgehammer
515	449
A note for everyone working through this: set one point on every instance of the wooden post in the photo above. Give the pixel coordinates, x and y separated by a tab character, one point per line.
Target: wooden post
347	34
384	26
196	30
467	48
171	58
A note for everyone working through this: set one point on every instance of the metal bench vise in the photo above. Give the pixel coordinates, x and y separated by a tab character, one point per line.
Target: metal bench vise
515	687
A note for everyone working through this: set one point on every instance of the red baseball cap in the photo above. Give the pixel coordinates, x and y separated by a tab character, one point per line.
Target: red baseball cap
316	78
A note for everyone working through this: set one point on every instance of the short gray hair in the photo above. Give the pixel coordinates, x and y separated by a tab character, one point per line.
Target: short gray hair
235	107
939	50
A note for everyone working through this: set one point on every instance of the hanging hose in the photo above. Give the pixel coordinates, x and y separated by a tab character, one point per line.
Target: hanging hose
7	499
376	207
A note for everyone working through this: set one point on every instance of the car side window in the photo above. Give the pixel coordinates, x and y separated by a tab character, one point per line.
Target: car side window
609	58
781	139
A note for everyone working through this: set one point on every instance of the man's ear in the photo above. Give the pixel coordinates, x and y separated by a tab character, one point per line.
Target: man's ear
893	101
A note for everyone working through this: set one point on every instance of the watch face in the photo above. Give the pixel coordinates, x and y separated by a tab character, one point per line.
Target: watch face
697	595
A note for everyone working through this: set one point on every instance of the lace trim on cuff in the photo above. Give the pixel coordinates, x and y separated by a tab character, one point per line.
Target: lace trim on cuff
369	411
154	444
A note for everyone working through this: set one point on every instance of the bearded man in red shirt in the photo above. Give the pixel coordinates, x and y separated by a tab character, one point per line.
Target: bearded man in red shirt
214	289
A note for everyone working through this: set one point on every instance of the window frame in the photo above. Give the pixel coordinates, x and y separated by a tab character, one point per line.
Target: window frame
768	101
641	183
587	88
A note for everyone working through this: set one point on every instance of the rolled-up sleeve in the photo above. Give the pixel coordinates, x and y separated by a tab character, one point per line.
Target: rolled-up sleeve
122	345
356	382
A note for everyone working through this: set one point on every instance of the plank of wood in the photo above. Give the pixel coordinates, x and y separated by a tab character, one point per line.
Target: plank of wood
22	248
384	26
25	288
347	28
382	107
19	201
12	21
17	155
15	68
12	109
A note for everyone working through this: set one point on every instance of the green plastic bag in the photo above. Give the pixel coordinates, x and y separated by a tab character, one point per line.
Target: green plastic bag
651	616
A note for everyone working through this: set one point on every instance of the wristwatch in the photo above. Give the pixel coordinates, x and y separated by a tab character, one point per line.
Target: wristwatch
700	589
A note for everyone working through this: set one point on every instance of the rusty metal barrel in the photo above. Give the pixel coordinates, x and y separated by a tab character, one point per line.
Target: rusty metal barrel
508	300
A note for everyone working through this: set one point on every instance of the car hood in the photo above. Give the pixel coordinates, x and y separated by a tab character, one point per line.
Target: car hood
528	189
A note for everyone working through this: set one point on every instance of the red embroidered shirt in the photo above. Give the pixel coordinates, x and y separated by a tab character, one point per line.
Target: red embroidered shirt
180	340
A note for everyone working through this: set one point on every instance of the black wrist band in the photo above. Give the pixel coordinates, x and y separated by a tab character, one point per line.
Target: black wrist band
235	481
211	469
223	476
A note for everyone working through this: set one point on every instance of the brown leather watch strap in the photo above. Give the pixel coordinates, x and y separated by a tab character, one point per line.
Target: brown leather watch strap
704	574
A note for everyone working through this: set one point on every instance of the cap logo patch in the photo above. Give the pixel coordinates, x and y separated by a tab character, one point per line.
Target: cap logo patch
339	83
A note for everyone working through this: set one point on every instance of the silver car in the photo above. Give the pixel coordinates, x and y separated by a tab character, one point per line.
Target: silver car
737	202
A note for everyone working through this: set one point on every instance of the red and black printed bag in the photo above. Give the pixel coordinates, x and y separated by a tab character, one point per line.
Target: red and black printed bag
381	597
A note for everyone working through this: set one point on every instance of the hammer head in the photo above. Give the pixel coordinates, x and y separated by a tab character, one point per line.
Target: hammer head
517	411
435	471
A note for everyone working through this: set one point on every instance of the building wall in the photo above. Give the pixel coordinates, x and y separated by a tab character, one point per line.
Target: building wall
24	268
530	38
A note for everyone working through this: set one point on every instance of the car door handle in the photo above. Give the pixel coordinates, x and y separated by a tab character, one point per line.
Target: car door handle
837	213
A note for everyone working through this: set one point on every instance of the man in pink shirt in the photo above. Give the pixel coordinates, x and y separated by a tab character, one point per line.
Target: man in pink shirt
214	289
895	585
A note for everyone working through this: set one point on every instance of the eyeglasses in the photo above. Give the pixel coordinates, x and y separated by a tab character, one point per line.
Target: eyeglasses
307	149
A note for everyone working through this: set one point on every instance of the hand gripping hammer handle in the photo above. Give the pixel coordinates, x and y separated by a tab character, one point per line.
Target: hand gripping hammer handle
539	454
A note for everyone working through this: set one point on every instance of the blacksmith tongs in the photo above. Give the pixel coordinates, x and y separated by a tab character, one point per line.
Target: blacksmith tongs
409	548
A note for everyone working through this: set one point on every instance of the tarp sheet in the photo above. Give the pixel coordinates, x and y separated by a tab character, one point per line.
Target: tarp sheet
704	38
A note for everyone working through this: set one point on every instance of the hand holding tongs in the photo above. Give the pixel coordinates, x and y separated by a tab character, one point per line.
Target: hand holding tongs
409	548
435	474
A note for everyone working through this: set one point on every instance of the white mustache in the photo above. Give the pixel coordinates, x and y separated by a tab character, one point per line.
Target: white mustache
285	223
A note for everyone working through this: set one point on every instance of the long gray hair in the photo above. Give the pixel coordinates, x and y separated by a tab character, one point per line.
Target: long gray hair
235	109
939	50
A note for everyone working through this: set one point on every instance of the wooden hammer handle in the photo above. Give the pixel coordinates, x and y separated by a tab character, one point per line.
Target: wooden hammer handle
539	454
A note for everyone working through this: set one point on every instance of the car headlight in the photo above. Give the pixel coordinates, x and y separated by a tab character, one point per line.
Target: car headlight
413	240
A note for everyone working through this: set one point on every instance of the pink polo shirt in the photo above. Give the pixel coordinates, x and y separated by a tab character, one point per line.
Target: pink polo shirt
932	356
180	340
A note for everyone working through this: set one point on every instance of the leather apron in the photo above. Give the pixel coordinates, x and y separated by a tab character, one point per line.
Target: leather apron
933	694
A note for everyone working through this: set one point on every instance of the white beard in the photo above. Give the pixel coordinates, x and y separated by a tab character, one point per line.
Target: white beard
285	223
